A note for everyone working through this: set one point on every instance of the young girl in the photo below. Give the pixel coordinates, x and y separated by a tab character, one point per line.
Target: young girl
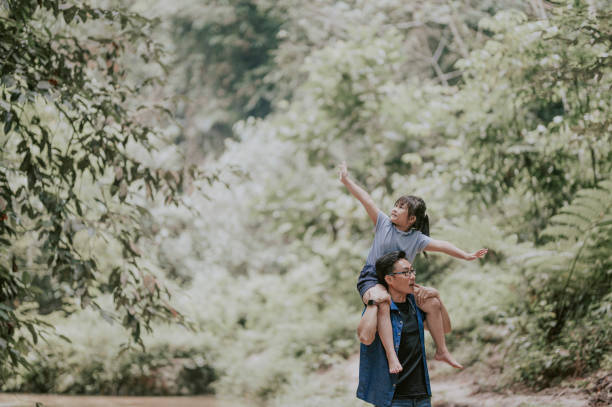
407	229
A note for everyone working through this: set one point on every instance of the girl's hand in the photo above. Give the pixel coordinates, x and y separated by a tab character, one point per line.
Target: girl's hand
379	298
342	171
378	294
422	293
358	192
477	255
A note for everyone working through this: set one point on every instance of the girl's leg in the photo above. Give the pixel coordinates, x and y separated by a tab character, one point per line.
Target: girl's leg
379	294
385	331
435	323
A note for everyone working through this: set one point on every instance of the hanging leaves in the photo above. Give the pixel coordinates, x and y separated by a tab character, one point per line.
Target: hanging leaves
46	77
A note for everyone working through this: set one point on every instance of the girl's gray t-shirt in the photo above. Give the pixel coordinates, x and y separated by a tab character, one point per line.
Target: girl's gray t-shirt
387	239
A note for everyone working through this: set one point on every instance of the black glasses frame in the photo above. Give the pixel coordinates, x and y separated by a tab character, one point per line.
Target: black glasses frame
411	271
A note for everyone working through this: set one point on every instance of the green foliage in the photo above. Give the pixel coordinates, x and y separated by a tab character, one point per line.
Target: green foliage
541	122
404	129
498	144
159	371
70	169
230	47
235	59
580	347
578	261
175	361
568	330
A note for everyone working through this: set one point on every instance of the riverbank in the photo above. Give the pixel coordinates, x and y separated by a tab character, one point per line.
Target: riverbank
54	400
472	387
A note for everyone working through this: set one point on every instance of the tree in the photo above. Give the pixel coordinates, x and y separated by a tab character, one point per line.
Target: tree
533	109
532	114
74	171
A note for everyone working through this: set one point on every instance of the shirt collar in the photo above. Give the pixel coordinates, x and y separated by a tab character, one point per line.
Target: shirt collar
393	307
409	231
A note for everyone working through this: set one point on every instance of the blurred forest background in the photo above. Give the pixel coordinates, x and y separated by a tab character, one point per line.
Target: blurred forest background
171	218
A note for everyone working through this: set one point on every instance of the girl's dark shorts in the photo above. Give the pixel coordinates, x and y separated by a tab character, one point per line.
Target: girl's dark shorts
367	279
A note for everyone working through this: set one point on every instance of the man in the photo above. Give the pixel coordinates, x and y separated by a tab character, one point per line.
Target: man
411	386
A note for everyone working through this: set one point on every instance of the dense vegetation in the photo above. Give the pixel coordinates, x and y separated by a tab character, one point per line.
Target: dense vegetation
497	114
74	167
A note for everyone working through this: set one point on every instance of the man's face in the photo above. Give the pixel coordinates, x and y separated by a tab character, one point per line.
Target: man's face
403	277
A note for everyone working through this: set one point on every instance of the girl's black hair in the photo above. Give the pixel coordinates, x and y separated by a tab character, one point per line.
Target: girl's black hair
416	207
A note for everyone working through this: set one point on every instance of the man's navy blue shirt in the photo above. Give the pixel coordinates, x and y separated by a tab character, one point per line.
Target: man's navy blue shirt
376	384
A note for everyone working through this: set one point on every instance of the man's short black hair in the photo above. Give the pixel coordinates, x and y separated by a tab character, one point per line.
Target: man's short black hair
384	265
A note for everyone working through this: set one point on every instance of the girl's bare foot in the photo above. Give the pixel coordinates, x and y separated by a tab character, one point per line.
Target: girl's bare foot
394	365
448	358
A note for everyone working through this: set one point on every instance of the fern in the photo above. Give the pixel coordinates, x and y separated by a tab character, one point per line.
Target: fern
566	231
573	220
586	217
576	261
569	285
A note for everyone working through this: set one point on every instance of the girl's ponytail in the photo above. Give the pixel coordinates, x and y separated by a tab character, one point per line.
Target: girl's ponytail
424	227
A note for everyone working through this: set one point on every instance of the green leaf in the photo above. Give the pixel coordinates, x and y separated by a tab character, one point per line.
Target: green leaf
41	162
8	123
65	338
6	307
22	146
77	204
69	14
26	163
26	278
83	163
83	15
33	333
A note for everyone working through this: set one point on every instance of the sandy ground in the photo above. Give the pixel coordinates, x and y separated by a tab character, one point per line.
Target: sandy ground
461	389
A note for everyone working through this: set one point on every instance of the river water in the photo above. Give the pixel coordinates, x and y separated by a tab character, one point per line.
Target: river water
52	400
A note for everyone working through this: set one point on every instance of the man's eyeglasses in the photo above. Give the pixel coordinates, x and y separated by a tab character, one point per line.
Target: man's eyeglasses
411	271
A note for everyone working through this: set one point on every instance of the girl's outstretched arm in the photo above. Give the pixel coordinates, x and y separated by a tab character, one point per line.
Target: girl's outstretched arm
452	250
358	192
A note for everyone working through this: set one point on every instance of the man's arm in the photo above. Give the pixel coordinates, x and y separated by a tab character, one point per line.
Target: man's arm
452	250
359	193
366	331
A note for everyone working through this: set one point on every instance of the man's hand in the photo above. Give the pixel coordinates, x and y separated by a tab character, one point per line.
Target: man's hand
422	293
477	255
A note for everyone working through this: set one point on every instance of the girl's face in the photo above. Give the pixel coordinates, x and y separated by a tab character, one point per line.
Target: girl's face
400	216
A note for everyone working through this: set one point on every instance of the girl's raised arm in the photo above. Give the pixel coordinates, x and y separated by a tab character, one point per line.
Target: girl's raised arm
358	192
452	250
